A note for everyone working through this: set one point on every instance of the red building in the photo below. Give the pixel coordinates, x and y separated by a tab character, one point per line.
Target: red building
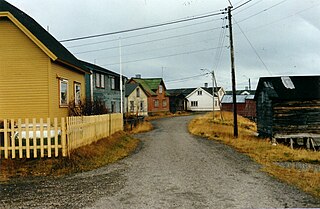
246	105
158	100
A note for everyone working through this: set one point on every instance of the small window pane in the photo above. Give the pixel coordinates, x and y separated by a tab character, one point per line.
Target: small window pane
63	92
102	80
77	93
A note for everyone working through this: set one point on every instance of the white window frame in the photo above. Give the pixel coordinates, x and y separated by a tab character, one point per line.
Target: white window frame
63	100
138	92
77	93
112	83
160	89
199	93
131	106
156	103
194	103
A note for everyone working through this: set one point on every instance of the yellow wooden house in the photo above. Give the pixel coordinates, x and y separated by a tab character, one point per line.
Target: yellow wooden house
38	76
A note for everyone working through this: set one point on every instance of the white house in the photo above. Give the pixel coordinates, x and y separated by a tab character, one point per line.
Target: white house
201	99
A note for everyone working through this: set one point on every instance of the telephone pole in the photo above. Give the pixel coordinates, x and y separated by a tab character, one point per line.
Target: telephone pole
233	76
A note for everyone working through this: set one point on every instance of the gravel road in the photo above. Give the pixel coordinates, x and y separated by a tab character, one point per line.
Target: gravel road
171	169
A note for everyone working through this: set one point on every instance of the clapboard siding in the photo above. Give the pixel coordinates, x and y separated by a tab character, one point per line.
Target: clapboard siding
296	117
23	74
57	72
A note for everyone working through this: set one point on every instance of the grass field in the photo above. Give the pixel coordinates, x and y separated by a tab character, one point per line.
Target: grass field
261	150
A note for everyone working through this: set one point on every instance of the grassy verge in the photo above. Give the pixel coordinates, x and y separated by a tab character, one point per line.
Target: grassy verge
261	150
86	158
166	115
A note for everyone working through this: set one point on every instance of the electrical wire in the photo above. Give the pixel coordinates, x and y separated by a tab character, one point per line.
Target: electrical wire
139	35
255	51
264	10
186	78
142	28
164	56
144	42
241	5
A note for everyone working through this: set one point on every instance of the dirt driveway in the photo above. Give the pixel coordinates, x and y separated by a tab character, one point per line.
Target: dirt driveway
172	169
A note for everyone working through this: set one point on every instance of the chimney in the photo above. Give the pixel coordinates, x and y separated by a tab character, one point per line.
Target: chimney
138	75
205	85
246	88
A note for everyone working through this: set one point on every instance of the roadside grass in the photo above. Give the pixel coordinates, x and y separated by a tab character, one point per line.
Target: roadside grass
261	150
145	126
93	156
160	115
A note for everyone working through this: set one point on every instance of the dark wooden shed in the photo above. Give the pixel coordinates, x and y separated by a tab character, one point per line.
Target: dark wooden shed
288	107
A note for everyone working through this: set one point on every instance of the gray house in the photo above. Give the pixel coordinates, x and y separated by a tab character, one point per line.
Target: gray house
104	85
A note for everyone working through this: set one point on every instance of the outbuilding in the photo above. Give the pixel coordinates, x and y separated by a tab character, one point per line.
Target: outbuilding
288	108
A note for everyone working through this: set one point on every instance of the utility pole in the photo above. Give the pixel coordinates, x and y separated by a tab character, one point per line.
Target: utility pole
213	79
233	76
121	93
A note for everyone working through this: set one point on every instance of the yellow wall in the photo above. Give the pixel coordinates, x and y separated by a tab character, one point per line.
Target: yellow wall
29	87
133	97
23	74
57	72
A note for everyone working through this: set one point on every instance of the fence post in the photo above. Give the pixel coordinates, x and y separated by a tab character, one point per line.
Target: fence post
27	138
20	138
65	149
56	135
49	137
6	144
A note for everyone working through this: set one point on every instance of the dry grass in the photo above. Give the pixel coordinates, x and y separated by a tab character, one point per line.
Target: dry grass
142	127
260	150
86	158
166	115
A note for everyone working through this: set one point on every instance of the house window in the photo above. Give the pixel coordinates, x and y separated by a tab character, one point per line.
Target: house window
199	93
141	106
138	92
194	103
112	83
77	94
131	106
113	106
100	80
216	103
156	103
160	89
164	103
63	92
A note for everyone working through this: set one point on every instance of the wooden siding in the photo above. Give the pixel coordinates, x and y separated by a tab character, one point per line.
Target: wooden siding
58	72
23	74
296	117
136	100
264	115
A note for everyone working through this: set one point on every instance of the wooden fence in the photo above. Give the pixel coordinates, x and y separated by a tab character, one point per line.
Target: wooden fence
53	138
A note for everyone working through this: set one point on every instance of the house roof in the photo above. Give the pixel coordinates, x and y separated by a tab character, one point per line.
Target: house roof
177	92
96	68
150	85
290	87
130	87
228	99
62	54
239	92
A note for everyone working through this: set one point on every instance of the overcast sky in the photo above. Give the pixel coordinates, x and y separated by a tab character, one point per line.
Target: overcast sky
283	37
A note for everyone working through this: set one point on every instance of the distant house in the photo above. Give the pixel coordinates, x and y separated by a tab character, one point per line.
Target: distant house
104	85
136	100
38	76
201	99
288	107
158	100
246	105
177	99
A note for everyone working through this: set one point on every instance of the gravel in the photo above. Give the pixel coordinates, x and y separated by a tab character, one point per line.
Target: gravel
171	169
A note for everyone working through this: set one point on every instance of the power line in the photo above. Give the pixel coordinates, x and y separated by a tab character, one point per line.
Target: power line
248	7
150	41
241	5
255	51
139	35
165	56
186	78
143	28
264	10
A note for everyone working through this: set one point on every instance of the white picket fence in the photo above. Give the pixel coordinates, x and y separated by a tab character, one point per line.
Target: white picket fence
52	138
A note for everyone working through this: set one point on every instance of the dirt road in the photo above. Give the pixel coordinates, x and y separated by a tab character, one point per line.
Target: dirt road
172	169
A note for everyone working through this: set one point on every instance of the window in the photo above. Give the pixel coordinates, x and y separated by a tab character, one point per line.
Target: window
156	103
113	106
63	92
164	103
131	106
141	106
112	83
199	93
138	92
194	103
77	93
216	103
100	80
160	89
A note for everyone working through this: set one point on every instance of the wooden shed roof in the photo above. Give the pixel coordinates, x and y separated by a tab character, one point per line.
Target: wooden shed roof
290	87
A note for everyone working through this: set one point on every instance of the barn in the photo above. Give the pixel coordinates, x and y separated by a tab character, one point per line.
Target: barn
288	108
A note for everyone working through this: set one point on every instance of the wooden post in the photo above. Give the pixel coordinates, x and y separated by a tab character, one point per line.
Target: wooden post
13	143
56	137
6	142
27	138
20	138
65	150
49	137
35	144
